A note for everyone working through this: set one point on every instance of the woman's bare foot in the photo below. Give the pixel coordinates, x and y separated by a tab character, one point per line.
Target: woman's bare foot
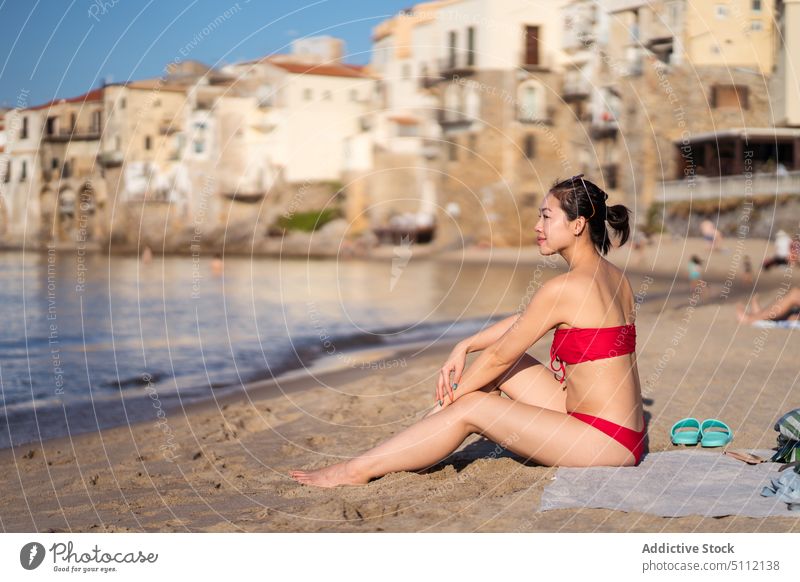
331	476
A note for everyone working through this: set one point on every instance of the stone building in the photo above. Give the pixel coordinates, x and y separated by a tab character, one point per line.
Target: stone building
504	129
306	105
659	75
71	198
392	182
22	179
3	173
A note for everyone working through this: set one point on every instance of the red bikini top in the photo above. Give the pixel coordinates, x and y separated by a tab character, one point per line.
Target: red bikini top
582	344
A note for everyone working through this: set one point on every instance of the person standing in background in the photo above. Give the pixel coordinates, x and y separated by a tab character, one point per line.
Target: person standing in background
783	246
695	276
711	235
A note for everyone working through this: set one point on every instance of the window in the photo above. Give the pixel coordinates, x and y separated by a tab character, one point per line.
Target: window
756	25
23	175
721	11
532	45
122	103
471	46
307	94
452	44
7	175
473	145
353	95
735	96
407	130
472	102
674	14
54	164
529	146
72	121
452	151
530	104
265	95
148	142
96	121
199	146
327	95
452	102
610	175
23	132
50	126
756	5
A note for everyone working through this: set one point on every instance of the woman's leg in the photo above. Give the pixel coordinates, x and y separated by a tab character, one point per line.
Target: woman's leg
528	381
421	445
531	382
546	436
780	309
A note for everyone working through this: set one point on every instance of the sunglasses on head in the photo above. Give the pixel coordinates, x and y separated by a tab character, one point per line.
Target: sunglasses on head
585	189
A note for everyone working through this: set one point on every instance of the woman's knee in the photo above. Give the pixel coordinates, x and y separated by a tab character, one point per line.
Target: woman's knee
472	407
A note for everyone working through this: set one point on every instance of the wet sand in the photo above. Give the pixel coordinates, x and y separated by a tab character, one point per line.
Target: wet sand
222	466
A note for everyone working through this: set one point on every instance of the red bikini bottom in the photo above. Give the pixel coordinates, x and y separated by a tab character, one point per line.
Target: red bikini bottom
632	440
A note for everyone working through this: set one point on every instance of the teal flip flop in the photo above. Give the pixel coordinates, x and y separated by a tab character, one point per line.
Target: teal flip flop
715	438
685	432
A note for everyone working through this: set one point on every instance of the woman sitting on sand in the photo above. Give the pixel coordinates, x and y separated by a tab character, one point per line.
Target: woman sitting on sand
786	307
589	413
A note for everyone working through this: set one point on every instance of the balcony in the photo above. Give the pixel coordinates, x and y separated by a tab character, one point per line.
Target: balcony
604	125
76	134
457	64
540	116
246	197
575	88
429	81
603	129
450	118
168	127
110	158
205	104
739	186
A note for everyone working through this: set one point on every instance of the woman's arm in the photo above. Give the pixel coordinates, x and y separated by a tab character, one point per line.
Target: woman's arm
548	308
486	337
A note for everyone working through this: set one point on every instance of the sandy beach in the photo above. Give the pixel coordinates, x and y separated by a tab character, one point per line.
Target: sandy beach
222	466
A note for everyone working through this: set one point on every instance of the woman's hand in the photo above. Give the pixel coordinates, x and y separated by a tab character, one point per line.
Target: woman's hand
445	386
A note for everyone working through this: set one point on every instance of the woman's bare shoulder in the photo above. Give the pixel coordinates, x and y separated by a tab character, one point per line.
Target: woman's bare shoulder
568	285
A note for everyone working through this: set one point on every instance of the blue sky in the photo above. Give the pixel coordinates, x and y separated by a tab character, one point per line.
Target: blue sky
62	48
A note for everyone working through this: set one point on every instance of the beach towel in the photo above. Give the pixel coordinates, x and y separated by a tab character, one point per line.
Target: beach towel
783	323
671	484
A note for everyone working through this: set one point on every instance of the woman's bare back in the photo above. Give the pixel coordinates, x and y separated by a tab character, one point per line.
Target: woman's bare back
608	388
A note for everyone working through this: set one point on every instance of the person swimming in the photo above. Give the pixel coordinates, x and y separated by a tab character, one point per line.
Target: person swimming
588	412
